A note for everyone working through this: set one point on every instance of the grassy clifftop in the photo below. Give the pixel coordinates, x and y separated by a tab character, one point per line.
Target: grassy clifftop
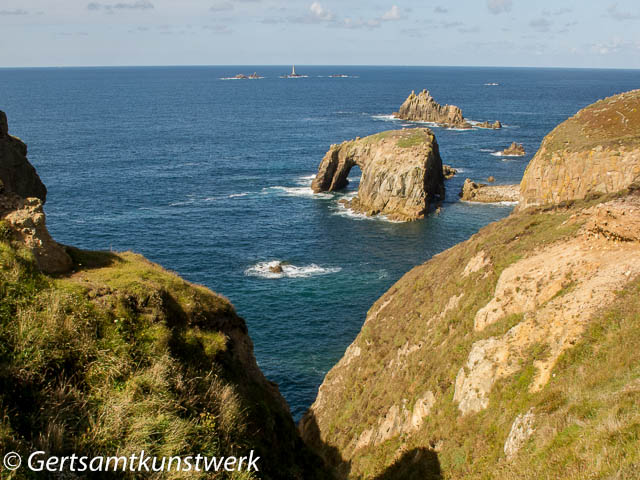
121	356
611	123
512	355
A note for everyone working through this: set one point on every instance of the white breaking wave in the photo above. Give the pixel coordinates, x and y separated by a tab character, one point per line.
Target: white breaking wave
263	270
502	204
342	210
500	154
296	192
487	150
305	180
384	117
235	195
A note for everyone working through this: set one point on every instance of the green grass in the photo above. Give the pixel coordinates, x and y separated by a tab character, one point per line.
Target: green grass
580	415
123	356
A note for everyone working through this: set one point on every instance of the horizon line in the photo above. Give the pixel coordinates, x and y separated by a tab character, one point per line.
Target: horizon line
312	65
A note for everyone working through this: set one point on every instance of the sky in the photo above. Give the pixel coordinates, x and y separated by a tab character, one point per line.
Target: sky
542	33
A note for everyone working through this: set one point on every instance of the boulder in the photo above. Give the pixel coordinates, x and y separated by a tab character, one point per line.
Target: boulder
402	172
596	151
480	192
277	268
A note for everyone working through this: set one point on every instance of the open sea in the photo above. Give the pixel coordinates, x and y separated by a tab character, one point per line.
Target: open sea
210	178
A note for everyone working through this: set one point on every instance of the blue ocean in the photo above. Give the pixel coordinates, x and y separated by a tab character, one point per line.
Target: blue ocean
210	178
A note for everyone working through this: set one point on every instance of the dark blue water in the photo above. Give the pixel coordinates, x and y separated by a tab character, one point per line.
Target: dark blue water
207	177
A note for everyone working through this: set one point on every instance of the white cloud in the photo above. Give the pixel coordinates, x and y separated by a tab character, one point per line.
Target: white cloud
221	6
17	11
616	14
321	13
615	45
540	24
499	6
392	14
110	7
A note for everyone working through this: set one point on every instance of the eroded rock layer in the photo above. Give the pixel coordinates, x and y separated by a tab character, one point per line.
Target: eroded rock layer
402	172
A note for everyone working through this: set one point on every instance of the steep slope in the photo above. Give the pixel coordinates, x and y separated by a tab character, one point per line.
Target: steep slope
595	151
117	355
402	172
511	355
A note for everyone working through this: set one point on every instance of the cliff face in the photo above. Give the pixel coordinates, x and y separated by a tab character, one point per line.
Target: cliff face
22	195
118	355
401	172
595	151
423	108
17	175
512	355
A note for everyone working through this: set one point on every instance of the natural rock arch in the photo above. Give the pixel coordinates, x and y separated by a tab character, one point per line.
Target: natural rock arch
401	172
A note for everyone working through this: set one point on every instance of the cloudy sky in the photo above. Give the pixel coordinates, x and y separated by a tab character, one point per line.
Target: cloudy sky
554	33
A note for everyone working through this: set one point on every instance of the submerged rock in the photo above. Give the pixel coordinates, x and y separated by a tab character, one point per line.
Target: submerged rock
480	192
402	172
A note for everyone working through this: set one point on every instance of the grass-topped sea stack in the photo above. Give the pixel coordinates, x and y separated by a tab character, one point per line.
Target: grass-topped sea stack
401	172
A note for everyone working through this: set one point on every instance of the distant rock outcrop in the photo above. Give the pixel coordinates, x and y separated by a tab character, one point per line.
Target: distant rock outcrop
449	172
486	124
595	151
480	192
514	150
22	195
401	172
423	108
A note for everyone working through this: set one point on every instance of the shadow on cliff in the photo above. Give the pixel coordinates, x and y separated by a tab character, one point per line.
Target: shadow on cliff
416	464
88	260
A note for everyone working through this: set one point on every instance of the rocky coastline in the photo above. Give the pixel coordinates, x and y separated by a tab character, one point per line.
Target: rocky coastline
488	351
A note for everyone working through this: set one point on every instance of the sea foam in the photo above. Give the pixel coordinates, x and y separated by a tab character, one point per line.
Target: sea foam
263	270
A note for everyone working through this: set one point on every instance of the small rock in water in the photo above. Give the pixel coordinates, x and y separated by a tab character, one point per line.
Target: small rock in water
276	268
491	179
